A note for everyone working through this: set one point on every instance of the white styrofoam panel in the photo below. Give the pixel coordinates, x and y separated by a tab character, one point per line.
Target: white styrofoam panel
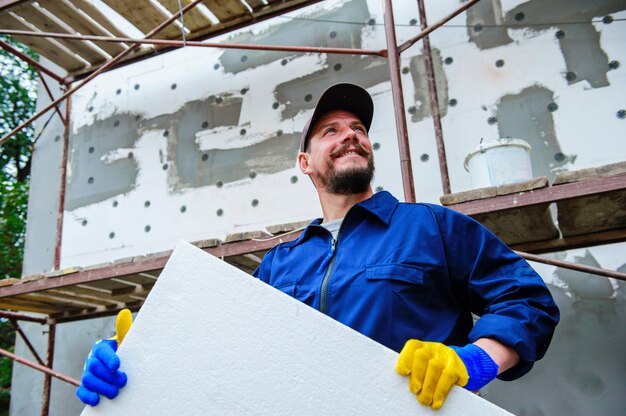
212	340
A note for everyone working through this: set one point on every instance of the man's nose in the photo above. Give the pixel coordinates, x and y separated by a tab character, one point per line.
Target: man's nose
350	134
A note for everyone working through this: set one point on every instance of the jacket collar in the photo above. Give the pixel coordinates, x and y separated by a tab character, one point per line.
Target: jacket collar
381	205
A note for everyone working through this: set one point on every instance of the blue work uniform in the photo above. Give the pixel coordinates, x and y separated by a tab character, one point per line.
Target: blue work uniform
402	271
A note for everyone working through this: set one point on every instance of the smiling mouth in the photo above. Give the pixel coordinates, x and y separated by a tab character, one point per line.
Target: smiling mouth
346	151
350	153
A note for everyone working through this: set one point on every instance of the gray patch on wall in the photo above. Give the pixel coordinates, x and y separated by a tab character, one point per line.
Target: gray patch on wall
272	155
302	93
586	288
526	116
483	25
192	167
420	81
594	298
316	30
184	156
92	180
187	165
579	43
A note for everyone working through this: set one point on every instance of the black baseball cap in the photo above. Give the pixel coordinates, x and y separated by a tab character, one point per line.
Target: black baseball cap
347	97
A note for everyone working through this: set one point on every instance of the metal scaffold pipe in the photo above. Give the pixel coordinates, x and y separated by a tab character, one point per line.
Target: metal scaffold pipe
39	367
200	44
573	266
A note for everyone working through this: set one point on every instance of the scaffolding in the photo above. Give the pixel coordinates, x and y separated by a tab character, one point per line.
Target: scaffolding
102	290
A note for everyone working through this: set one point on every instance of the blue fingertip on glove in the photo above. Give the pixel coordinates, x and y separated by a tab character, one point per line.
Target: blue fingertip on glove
480	367
101	375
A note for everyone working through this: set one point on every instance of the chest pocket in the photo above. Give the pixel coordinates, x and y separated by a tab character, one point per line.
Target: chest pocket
406	273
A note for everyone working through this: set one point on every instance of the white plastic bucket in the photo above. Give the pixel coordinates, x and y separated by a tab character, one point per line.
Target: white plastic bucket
499	162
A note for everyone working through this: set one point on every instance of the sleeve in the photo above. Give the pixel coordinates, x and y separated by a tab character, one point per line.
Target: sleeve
514	305
264	271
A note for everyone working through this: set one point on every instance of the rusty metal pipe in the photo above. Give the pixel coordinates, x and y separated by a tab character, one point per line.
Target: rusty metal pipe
20	317
573	266
398	103
62	187
406	45
97	72
45	405
39	367
434	102
26	341
30	61
180	43
56	107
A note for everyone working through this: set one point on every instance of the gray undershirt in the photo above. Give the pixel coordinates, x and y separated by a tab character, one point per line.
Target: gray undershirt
333	227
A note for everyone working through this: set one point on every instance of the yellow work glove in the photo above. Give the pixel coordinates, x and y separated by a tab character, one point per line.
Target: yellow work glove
433	368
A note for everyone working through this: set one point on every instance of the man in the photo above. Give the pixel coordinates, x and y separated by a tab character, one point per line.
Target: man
406	275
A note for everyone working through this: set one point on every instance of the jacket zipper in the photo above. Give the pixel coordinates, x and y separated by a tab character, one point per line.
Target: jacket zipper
329	271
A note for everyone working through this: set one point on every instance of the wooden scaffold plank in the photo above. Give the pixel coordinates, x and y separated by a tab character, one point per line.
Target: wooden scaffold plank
226	10
594	213
61	301
26	304
91	11
70	294
80	24
194	20
42	46
256	4
37	18
144	16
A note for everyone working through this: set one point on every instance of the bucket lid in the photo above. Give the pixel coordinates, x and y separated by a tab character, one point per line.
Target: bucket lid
483	147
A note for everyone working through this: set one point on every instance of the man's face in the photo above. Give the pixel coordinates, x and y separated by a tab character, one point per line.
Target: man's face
339	154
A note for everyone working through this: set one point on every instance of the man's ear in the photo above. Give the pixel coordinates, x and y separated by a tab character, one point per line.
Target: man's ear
303	162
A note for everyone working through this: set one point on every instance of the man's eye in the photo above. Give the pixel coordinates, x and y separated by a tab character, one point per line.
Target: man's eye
329	131
359	128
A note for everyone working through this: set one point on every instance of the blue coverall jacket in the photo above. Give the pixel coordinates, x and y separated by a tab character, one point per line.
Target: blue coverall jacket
400	271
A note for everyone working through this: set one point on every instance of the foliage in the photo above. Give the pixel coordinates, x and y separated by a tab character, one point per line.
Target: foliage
7	339
13	204
18	92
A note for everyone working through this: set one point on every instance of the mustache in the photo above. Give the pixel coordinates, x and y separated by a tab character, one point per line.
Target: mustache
357	146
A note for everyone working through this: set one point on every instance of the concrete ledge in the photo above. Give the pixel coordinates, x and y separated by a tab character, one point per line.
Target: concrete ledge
489	192
590	173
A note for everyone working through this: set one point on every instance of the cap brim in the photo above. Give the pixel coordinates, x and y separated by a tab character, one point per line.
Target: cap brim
346	97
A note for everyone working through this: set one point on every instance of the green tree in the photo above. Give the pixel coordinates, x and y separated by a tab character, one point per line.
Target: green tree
18	92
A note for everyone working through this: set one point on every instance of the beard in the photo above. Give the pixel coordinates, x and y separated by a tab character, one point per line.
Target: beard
353	180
